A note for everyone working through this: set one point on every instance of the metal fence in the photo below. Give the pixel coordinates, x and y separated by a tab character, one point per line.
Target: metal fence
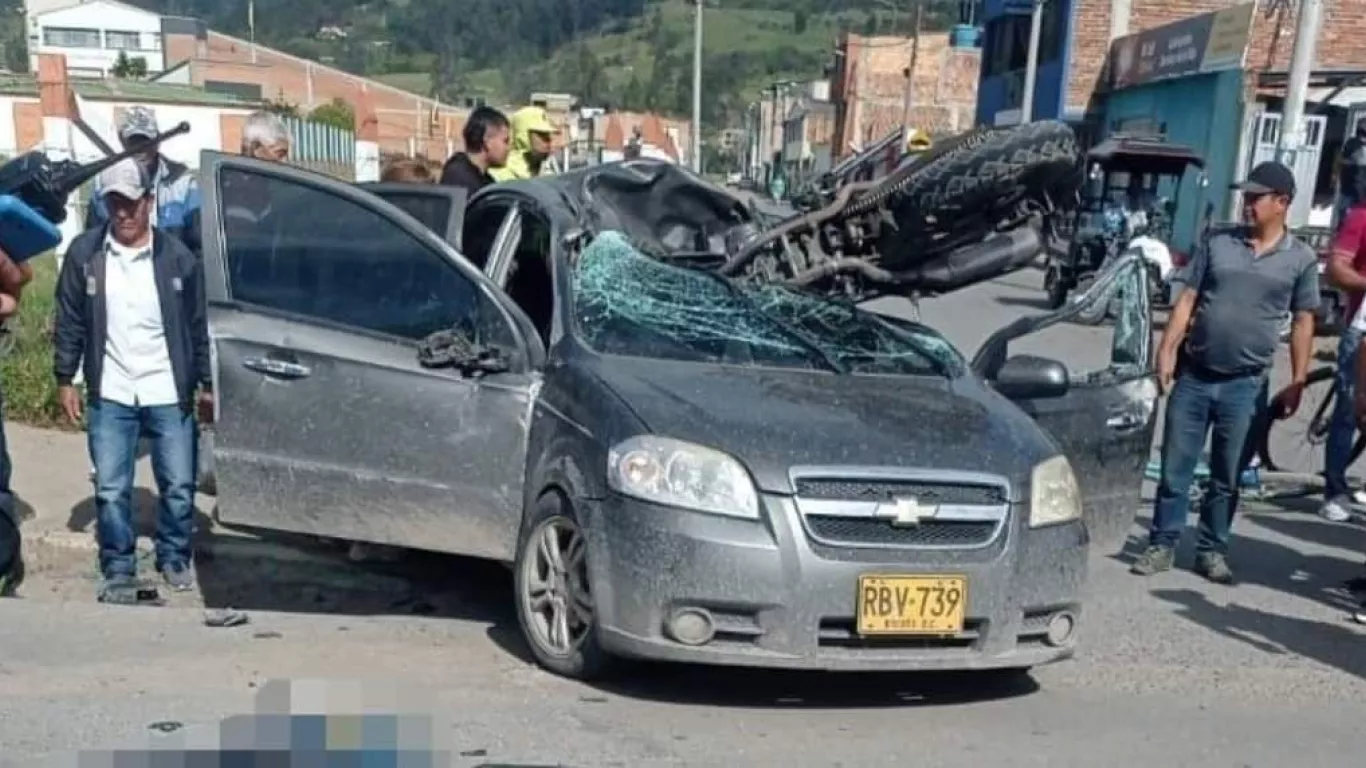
322	148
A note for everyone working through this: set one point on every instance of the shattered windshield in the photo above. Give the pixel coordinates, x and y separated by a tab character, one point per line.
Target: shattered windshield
627	303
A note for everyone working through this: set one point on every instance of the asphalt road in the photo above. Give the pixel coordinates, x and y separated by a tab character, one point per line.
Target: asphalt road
1171	671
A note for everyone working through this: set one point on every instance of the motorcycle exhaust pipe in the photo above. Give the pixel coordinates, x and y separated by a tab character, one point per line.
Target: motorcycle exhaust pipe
991	258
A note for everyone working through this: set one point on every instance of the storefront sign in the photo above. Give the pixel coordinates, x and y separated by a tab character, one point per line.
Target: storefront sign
1210	42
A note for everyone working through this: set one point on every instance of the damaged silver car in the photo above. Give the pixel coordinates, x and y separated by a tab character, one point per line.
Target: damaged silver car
682	460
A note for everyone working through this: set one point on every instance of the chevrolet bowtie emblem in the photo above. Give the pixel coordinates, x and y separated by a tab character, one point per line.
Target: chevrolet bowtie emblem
905	512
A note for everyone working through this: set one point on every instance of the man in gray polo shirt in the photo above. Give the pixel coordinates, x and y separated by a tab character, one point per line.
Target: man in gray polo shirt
1215	356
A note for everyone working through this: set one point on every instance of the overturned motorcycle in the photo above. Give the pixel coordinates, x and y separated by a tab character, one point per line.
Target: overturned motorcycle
974	207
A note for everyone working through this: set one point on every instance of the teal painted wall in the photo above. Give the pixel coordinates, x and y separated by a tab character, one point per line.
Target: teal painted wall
1203	112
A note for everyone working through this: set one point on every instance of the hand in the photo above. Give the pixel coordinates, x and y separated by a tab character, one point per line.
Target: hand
1166	370
205	407
70	399
13	278
1288	401
1361	408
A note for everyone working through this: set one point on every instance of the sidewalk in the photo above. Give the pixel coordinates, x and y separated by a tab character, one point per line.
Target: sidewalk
57	508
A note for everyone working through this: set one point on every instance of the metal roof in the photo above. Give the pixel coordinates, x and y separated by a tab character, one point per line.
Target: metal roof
128	90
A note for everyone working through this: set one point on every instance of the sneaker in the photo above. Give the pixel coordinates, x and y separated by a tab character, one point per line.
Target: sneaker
1214	567
117	588
178	577
1335	511
1155	559
1359	499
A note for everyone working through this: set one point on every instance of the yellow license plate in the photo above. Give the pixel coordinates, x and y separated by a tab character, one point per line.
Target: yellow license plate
911	605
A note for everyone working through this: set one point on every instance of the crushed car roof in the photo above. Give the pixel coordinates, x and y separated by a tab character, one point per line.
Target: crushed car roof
662	207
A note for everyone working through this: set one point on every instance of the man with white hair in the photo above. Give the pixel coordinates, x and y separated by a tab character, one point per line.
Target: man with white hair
265	137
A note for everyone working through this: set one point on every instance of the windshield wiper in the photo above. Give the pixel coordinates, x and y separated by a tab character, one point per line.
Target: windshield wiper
796	335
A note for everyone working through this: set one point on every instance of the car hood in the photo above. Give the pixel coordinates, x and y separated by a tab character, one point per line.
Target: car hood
773	419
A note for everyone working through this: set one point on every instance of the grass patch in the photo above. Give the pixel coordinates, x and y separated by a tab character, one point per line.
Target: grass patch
30	390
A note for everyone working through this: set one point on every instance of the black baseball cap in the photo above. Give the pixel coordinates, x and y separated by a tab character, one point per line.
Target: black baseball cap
1269	178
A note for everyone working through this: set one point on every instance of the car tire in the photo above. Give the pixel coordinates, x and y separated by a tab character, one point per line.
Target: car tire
580	657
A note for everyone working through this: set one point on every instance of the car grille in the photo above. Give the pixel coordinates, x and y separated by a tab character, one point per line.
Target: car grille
849	530
882	490
902	513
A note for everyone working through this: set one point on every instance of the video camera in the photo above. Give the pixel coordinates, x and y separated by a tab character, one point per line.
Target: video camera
34	192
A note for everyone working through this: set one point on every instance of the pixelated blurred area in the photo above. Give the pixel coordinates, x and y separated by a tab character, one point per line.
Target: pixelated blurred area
302	724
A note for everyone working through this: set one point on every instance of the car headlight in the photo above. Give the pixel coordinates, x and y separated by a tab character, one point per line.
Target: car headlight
679	474
1054	496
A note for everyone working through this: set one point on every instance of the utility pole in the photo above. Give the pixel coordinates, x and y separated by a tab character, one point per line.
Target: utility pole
774	136
251	27
859	71
1291	140
1032	65
697	90
910	71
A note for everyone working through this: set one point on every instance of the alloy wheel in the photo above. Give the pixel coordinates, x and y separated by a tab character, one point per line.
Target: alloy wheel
555	594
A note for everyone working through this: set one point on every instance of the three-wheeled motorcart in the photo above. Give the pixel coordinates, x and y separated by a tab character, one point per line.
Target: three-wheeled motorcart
1128	203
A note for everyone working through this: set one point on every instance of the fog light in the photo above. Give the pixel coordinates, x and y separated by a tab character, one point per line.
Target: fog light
692	626
1060	629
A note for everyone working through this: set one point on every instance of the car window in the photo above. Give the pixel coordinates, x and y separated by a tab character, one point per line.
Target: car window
299	248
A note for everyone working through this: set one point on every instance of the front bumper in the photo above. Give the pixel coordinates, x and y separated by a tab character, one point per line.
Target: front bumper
778	600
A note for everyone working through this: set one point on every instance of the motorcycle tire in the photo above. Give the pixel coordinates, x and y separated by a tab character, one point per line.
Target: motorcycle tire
975	186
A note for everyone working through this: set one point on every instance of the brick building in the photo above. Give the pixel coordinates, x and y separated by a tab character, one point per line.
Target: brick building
1206	73
405	123
1077	36
868	87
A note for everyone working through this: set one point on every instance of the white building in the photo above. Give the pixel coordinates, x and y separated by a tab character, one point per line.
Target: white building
92	33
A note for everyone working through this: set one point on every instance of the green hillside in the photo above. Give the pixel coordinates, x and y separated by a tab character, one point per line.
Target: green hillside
631	54
645	63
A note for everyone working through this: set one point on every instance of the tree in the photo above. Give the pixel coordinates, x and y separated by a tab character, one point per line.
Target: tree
126	68
279	106
799	22
336	113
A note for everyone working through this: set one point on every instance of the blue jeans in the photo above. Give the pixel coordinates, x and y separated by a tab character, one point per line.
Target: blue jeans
113	430
1337	450
9	514
1231	406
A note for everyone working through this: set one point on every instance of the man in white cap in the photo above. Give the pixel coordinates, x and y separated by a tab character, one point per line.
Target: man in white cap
177	190
131	314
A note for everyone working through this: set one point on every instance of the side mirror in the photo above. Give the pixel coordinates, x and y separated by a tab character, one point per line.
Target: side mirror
1026	377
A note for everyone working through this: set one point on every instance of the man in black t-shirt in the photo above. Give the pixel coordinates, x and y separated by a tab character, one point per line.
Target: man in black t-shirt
487	137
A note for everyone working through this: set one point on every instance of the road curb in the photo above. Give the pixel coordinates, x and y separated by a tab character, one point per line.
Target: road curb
218	545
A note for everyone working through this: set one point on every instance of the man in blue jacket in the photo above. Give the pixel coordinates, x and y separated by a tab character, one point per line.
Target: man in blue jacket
177	189
131	314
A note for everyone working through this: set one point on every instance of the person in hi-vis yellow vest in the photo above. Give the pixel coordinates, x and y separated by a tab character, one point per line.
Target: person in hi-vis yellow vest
532	137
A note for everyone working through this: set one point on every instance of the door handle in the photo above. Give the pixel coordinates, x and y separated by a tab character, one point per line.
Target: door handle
274	367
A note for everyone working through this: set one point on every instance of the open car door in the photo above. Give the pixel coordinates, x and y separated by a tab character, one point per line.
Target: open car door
1103	421
331	419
